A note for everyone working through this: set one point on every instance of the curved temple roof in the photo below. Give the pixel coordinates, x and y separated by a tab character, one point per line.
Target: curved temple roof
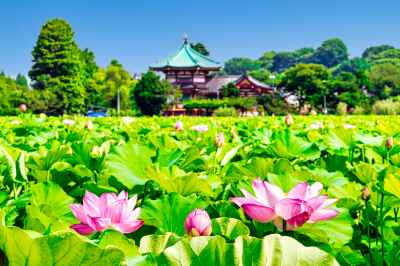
187	57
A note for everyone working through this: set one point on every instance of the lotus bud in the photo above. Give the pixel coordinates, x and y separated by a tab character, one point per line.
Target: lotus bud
365	194
178	126
68	122
22	107
220	139
89	125
198	223
289	120
389	143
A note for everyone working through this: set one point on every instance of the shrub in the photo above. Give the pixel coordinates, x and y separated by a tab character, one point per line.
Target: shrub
359	110
226	111
341	108
386	107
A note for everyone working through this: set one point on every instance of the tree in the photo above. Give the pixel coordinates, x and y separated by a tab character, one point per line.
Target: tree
230	90
349	89
240	66
385	80
263	75
11	95
374	50
57	68
355	66
308	82
103	88
150	94
89	66
21	80
285	60
201	48
267	59
331	53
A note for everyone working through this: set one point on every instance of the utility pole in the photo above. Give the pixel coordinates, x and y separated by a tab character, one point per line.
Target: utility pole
118	101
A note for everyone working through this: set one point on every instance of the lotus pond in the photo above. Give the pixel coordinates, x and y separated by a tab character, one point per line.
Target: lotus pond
316	190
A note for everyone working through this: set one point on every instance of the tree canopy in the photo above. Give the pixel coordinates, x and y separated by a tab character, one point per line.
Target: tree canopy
57	68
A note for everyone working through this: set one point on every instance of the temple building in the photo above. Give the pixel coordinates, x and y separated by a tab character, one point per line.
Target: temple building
197	76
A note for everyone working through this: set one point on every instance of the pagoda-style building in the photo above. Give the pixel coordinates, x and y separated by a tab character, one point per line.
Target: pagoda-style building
188	69
196	75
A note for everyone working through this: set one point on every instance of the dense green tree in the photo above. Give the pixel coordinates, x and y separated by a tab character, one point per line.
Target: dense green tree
308	82
201	48
349	89
11	95
230	90
355	66
103	88
285	60
332	52
267	60
374	50
384	80
264	75
21	80
57	67
240	66
89	66
150	94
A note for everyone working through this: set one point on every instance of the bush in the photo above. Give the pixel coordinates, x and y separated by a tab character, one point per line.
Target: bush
226	111
213	104
359	110
274	104
341	108
386	107
230	90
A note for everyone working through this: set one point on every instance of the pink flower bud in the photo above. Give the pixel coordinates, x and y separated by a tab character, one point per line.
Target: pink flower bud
289	120
198	223
89	125
23	108
178	126
220	139
365	194
389	143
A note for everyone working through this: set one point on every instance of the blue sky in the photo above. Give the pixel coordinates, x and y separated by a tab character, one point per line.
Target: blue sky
140	32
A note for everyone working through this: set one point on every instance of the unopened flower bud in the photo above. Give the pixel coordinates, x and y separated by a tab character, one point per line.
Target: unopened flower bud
198	223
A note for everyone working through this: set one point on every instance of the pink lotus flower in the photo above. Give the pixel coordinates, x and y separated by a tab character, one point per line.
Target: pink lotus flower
302	204
178	126
200	128
198	223
109	211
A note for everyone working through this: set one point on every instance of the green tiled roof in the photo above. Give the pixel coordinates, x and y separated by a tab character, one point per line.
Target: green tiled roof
187	57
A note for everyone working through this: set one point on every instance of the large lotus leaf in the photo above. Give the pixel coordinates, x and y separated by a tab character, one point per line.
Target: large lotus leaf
169	212
129	164
229	227
156	244
63	249
174	179
111	238
392	184
365	172
286	145
336	232
340	139
48	208
270	251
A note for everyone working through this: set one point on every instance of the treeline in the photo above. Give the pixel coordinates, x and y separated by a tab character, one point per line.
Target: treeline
327	76
65	78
